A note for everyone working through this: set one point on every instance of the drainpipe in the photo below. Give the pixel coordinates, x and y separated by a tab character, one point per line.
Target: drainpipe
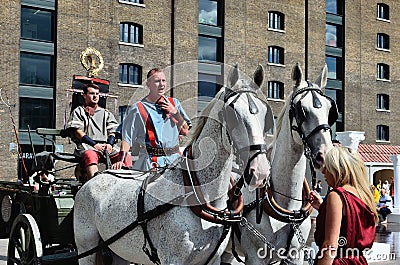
172	47
306	40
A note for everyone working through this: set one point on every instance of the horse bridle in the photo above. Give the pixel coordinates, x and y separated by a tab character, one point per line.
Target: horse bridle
296	112
242	154
200	207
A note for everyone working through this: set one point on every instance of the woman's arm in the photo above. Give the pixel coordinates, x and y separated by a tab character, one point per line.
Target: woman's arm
333	219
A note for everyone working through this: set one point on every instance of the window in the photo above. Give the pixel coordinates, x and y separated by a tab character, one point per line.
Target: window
335	67
207	89
334	35
382	11
36	69
37	24
131	33
208	48
130	74
382	41
209	12
275	90
276	20
207	85
334	7
276	55
37	113
382	133
382	71
382	102
121	113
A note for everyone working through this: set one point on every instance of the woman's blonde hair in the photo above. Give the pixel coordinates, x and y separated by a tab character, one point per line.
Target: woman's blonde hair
347	168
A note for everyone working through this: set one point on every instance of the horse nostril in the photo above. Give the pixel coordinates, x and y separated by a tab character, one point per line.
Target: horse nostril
319	157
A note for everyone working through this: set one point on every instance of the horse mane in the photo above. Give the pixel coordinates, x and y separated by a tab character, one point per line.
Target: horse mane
202	119
279	120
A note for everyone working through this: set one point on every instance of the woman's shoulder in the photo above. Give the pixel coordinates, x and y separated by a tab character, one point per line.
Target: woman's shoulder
334	197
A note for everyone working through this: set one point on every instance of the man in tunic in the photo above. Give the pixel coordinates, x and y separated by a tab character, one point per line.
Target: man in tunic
155	123
93	131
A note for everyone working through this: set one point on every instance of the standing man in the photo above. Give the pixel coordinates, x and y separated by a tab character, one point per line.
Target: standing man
93	131
318	186
155	123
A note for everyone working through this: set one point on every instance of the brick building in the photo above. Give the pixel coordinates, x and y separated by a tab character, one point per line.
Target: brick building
41	41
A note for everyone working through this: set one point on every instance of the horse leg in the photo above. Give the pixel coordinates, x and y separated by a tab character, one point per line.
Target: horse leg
86	234
117	260
227	258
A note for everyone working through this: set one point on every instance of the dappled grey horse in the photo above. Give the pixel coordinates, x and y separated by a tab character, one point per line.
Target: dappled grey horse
303	130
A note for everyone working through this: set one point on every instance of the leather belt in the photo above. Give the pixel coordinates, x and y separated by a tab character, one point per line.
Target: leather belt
155	151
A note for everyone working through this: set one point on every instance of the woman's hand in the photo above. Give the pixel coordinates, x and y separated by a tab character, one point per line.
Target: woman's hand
315	199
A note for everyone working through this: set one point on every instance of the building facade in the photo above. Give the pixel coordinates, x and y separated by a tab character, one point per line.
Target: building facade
195	41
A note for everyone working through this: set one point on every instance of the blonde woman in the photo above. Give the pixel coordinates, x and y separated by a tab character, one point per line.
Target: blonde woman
345	225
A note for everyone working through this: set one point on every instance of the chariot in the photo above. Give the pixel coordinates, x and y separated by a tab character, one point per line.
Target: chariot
37	210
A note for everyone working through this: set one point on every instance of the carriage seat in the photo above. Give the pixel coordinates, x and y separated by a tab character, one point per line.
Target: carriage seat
67	157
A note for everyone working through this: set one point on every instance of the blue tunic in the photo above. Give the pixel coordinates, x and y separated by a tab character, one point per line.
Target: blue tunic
134	130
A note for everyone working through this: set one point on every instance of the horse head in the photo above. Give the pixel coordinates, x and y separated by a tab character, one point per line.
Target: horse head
311	115
247	119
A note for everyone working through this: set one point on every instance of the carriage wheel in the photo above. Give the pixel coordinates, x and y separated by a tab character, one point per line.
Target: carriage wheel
24	244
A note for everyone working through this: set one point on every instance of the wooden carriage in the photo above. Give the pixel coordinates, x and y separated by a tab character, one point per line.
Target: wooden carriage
38	218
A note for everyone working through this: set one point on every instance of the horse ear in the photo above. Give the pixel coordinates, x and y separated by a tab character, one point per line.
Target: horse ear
233	76
259	76
322	79
297	74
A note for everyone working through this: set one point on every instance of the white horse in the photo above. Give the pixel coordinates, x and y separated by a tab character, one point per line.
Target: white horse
108	203
303	127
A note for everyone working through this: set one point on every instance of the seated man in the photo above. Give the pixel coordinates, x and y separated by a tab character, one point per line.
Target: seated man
384	205
94	131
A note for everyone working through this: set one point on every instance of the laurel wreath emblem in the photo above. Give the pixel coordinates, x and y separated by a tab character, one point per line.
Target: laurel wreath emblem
89	61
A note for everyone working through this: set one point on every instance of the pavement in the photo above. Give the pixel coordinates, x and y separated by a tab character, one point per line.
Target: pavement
380	247
4	242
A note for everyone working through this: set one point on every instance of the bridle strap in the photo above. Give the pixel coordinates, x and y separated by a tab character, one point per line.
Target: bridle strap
261	149
316	130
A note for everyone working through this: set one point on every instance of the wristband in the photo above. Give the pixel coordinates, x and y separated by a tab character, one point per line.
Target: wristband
111	140
87	140
122	156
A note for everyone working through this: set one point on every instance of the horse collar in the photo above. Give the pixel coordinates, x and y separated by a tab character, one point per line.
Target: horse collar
199	206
